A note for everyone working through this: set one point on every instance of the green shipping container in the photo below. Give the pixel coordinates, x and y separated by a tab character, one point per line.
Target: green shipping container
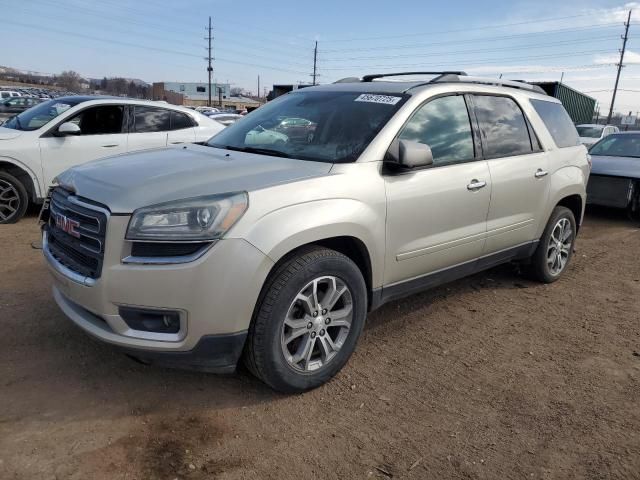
579	106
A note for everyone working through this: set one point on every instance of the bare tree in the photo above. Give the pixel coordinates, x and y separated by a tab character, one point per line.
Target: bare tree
69	80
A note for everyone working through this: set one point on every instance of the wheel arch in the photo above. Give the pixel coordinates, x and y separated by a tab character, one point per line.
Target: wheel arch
24	174
574	203
350	246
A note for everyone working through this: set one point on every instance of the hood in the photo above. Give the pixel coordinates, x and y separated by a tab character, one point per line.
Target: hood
616	166
127	182
9	133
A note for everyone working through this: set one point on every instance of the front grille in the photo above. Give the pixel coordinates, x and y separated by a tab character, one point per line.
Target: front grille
76	233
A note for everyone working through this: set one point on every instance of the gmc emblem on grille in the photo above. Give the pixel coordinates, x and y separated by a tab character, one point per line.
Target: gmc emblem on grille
67	225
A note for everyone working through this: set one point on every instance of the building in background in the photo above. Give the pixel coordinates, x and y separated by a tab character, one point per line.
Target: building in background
197	95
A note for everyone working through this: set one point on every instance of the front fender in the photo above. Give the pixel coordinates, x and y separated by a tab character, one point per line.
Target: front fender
37	188
283	230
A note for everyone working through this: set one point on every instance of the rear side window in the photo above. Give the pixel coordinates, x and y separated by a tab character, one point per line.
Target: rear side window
180	120
503	125
150	119
444	125
558	122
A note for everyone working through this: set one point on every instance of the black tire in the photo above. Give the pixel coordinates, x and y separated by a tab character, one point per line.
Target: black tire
264	353
539	269
13	210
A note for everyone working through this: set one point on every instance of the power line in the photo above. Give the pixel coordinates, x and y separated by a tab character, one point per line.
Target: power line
168	29
440	32
518	47
144	47
476	39
237	47
474	61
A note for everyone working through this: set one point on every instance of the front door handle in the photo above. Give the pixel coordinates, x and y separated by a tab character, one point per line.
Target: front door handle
541	173
110	145
476	185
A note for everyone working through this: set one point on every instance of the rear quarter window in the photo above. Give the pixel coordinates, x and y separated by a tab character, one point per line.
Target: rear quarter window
558	122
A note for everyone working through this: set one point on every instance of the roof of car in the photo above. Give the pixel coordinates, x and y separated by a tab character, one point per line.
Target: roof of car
630	132
414	86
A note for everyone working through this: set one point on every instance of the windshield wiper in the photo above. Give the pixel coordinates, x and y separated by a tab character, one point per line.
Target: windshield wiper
263	151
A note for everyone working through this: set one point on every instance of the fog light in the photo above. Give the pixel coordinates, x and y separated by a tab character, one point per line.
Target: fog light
157	321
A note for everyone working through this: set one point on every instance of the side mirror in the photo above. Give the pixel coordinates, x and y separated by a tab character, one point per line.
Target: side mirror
409	154
68	128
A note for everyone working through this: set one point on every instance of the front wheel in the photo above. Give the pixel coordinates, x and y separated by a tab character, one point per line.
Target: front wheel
13	199
556	246
308	320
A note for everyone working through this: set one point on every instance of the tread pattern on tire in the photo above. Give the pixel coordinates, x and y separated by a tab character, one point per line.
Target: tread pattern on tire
300	259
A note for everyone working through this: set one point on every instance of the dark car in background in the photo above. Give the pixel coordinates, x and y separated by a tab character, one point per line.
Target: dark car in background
297	129
13	106
615	173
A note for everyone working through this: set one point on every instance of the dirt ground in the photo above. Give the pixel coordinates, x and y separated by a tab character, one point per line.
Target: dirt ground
491	377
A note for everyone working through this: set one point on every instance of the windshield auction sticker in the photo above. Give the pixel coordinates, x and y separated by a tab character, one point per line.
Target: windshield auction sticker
371	98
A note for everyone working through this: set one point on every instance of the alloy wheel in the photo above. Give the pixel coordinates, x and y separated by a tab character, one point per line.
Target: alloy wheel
317	324
9	200
559	246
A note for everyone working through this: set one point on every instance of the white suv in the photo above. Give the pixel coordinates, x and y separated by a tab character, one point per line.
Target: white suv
40	143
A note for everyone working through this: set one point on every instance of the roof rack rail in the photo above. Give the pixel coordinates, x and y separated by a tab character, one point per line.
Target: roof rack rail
370	78
493	81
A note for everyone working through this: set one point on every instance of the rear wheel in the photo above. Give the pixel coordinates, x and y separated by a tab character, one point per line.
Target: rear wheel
308	321
555	248
13	199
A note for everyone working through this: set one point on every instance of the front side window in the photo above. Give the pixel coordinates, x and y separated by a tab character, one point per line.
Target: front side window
151	119
342	124
102	120
558	122
503	126
38	116
444	125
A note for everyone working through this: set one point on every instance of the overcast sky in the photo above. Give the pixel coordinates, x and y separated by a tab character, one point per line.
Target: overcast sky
164	40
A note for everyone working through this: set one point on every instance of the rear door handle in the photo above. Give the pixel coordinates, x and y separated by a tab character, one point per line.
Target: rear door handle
476	185
541	173
110	145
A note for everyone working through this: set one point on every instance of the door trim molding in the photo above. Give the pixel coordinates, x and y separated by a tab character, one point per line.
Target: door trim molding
405	288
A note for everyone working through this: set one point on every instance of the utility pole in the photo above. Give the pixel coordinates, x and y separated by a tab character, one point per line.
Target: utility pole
561	77
620	65
315	63
209	68
258	91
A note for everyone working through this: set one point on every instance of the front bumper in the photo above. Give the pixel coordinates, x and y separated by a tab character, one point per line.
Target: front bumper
215	296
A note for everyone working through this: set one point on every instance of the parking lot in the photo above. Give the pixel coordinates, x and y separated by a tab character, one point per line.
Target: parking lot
489	377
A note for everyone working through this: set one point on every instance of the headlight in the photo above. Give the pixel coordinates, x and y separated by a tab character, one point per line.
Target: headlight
192	219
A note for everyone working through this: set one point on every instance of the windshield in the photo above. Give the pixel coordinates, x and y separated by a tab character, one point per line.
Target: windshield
590	132
332	127
618	146
39	115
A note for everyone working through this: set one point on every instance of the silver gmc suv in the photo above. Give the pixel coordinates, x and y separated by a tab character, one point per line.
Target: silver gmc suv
273	242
